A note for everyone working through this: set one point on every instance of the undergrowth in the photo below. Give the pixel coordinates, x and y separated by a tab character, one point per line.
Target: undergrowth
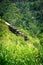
15	51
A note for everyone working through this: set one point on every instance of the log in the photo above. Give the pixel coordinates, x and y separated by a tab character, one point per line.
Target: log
16	31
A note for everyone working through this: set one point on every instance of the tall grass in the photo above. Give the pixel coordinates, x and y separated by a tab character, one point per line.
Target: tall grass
15	51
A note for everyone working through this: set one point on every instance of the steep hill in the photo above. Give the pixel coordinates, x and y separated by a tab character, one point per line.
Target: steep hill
14	50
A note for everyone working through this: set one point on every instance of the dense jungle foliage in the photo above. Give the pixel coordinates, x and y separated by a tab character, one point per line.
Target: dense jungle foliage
26	16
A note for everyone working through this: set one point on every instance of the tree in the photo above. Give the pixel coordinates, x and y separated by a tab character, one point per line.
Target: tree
4	5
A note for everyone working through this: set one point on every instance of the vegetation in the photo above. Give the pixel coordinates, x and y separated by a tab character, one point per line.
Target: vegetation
28	18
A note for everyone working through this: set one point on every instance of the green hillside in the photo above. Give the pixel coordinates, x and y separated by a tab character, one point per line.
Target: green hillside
10	44
27	17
